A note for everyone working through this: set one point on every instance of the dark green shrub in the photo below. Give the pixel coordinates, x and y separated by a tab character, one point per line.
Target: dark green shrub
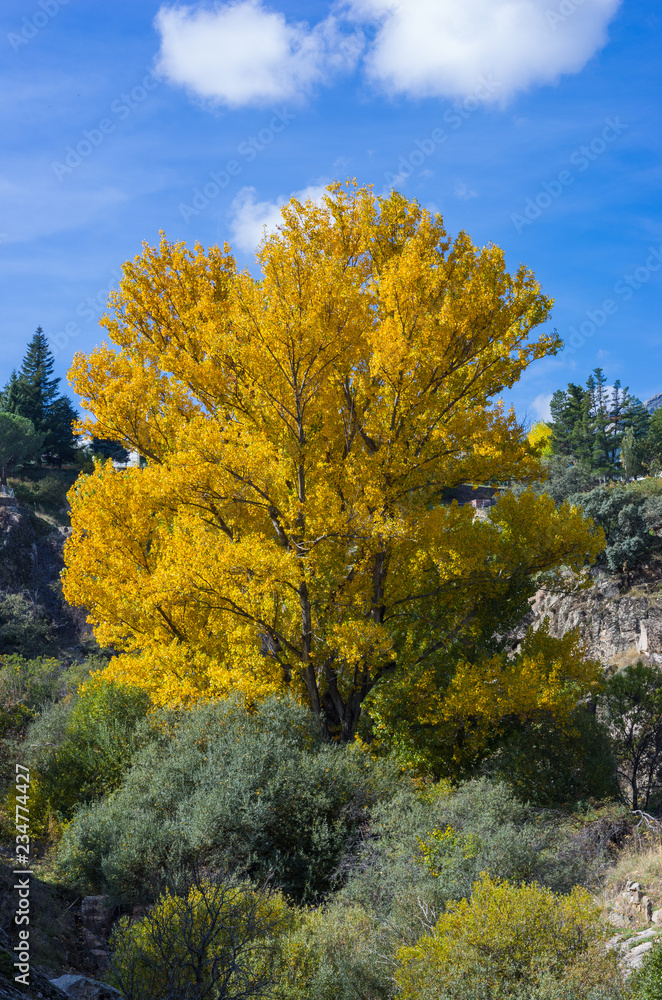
632	707
550	763
81	747
421	852
262	791
24	626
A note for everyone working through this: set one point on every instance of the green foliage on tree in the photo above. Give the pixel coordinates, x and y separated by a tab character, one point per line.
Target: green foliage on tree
620	514
654	438
19	442
603	430
551	764
631	518
33	393
632	707
104	448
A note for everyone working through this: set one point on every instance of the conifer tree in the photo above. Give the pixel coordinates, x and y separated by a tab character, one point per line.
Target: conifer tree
33	393
653	441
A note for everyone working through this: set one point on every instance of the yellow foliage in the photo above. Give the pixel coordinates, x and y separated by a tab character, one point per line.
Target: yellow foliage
287	531
540	438
502	934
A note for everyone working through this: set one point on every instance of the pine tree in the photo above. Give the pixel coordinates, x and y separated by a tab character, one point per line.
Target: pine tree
618	402
653	443
33	393
60	443
568	435
636	421
10	394
601	461
36	389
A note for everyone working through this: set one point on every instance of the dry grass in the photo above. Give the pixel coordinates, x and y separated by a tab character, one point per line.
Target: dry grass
637	863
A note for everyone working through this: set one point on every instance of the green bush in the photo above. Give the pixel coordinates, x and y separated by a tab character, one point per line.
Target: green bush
421	851
80	748
646	982
550	764
44	492
24	626
335	953
24	686
262	790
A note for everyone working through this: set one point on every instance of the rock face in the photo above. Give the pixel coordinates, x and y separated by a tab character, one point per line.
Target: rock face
654	403
31	560
619	626
96	917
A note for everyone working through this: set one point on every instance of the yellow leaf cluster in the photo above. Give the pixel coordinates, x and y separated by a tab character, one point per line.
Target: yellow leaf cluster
502	934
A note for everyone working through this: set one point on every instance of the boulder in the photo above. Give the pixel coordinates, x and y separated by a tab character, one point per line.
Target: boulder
636	955
82	988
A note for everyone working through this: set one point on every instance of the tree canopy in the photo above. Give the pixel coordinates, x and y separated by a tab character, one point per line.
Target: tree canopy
288	531
33	393
603	428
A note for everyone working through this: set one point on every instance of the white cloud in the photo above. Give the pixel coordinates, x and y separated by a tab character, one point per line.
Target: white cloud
241	54
250	220
448	48
540	406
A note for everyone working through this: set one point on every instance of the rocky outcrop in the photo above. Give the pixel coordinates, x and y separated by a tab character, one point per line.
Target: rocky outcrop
619	624
96	917
31	561
82	988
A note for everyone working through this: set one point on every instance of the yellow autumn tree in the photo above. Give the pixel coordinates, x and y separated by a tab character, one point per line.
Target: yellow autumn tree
290	529
540	436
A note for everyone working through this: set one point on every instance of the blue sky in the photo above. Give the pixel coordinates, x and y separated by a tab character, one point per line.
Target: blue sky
533	124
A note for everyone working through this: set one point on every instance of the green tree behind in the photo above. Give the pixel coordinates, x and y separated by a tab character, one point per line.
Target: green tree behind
18	441
33	393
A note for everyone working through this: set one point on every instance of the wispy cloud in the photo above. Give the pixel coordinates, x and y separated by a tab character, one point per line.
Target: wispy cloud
540	406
